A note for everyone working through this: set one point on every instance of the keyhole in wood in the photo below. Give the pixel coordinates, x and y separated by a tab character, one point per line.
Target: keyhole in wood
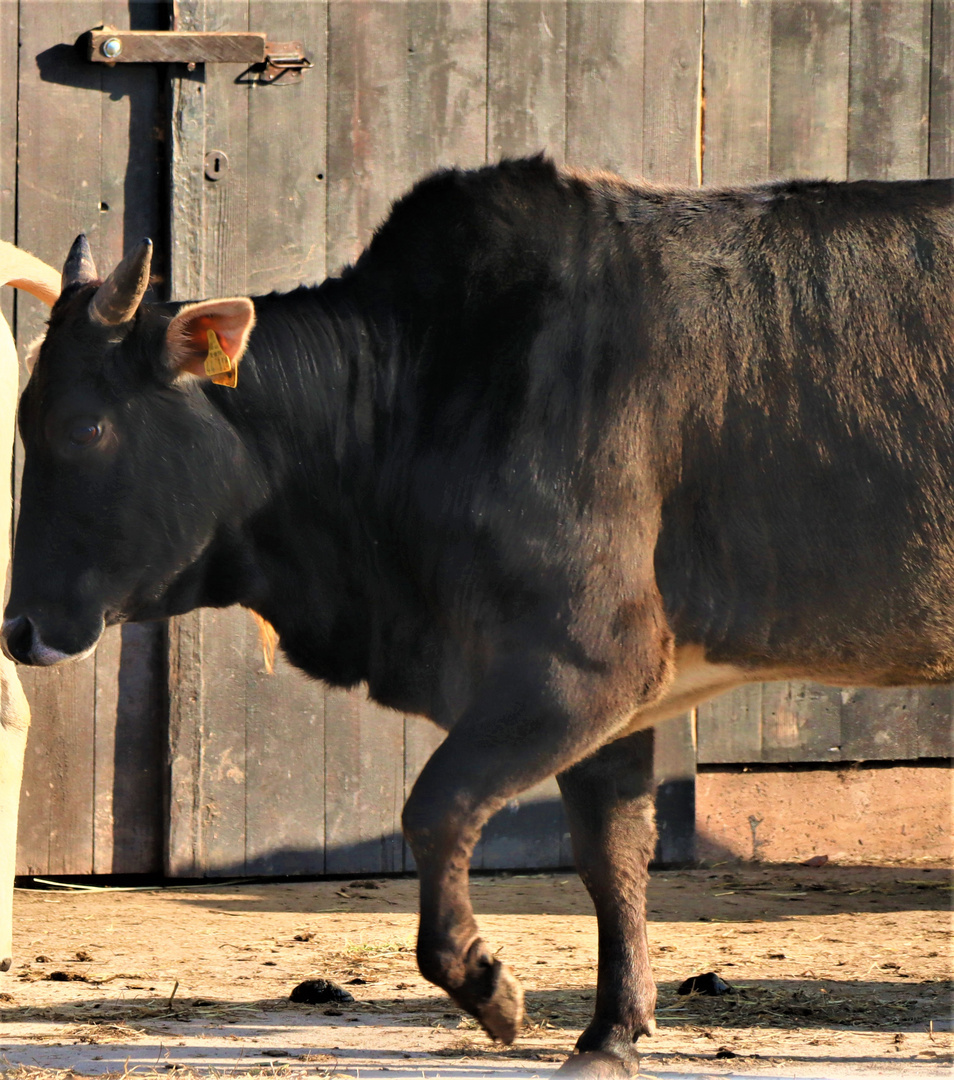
216	164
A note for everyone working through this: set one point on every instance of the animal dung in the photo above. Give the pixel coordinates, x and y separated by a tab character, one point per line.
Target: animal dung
319	992
709	984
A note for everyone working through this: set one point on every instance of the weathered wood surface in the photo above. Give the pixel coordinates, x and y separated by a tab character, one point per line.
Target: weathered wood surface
809	67
941	131
76	181
673	93
246	749
737	70
889	89
276	774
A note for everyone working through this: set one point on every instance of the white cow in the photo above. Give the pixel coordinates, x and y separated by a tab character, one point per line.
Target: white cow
23	271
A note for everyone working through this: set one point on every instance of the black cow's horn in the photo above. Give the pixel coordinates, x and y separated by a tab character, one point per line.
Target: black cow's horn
117	299
79	268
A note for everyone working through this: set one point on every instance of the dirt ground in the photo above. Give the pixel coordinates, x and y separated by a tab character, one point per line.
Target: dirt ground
837	972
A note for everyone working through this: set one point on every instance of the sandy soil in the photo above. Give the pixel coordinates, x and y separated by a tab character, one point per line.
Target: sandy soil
837	972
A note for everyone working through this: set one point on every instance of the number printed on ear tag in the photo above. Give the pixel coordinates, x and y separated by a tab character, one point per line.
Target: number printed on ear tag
218	364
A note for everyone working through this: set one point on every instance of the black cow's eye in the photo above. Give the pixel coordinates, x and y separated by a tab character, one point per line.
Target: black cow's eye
85	434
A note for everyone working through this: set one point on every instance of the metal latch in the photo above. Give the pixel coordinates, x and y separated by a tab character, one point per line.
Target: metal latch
274	61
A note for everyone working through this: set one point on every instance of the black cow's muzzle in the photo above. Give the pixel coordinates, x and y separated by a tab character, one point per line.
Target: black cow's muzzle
22	642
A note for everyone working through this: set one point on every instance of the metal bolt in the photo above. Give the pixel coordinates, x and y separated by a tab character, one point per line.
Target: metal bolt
112	47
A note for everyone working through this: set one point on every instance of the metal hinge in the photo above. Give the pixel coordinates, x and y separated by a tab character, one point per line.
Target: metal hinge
274	61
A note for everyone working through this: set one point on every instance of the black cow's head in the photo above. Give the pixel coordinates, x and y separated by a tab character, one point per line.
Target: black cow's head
131	475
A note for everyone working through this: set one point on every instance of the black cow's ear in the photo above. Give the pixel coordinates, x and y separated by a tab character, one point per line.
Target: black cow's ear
207	339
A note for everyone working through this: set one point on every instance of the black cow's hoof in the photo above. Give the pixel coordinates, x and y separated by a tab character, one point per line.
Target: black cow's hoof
492	995
598	1065
502	1016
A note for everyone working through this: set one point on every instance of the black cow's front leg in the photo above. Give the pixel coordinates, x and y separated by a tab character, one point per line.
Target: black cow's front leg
609	800
531	719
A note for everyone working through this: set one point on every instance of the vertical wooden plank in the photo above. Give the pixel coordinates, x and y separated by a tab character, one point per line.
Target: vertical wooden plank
527	78
223	758
446	125
187	691
207	745
368	167
209	112
287	160
137	796
809	88
367	120
604	85
526	113
941	162
285	766
104	754
407	93
446	85
889	101
225	232
890	89
672	97
186	700
808	136
736	81
672	153
364	786
607	57
285	215
128	785
210	219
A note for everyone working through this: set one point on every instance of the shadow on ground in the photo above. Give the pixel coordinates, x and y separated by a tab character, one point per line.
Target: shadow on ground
772	1003
739	893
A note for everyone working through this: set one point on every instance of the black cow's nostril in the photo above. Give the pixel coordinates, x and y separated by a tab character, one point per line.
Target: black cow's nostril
18	639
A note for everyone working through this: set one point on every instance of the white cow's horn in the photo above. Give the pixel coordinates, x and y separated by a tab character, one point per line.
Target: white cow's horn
79	268
117	299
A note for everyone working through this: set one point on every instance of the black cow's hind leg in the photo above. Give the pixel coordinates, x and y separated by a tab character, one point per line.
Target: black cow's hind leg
609	800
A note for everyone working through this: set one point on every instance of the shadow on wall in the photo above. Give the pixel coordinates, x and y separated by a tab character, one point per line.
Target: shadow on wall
527	834
66	64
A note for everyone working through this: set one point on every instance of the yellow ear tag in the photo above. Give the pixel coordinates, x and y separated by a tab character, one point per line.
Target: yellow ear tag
218	364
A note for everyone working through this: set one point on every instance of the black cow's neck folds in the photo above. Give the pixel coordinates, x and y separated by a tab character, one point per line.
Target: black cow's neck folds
318	377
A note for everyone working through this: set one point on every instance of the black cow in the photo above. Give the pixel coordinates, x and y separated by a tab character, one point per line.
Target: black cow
558	457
